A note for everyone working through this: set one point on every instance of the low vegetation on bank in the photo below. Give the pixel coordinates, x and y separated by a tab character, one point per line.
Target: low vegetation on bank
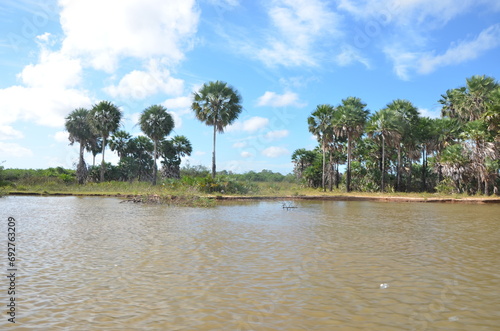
195	188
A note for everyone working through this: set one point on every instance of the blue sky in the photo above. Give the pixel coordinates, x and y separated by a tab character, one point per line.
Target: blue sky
285	57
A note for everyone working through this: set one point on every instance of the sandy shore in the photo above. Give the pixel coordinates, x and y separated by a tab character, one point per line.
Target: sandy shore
387	198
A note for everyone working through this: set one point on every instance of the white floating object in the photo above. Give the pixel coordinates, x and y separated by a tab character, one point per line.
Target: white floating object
384	285
453	319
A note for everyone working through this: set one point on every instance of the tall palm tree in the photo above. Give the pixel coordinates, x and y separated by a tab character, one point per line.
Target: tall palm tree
217	104
105	118
320	124
408	121
349	121
77	124
156	123
384	124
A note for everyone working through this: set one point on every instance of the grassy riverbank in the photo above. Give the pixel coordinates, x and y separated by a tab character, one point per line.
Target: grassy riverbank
197	193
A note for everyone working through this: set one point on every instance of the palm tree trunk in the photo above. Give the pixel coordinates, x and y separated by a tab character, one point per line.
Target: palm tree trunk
424	170
330	172
324	167
155	168
348	181
383	163
102	162
81	172
213	154
398	169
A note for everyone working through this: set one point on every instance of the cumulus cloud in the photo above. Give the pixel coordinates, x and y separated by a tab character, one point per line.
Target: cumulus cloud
15	150
141	84
275	151
246	154
8	133
251	125
273	135
273	99
178	103
240	144
61	136
103	32
53	70
44	106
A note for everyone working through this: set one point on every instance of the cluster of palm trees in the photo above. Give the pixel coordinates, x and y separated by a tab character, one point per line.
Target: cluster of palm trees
394	146
96	127
216	104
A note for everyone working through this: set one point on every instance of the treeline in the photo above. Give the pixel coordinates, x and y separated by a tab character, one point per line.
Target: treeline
396	149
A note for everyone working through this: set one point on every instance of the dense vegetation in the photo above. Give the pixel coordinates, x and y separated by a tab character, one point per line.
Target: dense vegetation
396	149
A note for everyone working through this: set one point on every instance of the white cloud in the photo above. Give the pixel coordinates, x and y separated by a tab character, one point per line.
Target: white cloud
54	70
350	55
13	149
462	51
273	99
240	144
300	26
246	154
141	84
103	32
8	133
424	12
61	136
430	113
177	103
251	125
199	153
406	62
274	151
45	106
273	135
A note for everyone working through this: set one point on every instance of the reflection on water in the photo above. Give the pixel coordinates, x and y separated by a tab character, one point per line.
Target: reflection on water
96	263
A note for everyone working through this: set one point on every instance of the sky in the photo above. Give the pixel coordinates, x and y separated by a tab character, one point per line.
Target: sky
285	57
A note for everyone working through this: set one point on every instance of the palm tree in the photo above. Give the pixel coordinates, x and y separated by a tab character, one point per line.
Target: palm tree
94	146
119	141
384	124
349	121
156	123
172	151
408	121
80	131
217	104
320	124
105	118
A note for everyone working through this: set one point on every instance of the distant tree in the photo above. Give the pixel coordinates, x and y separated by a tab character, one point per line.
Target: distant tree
77	124
156	123
217	104
105	118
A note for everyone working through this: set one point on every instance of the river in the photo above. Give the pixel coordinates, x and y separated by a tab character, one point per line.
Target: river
89	263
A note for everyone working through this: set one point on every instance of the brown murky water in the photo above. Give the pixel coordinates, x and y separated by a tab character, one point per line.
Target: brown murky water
96	264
